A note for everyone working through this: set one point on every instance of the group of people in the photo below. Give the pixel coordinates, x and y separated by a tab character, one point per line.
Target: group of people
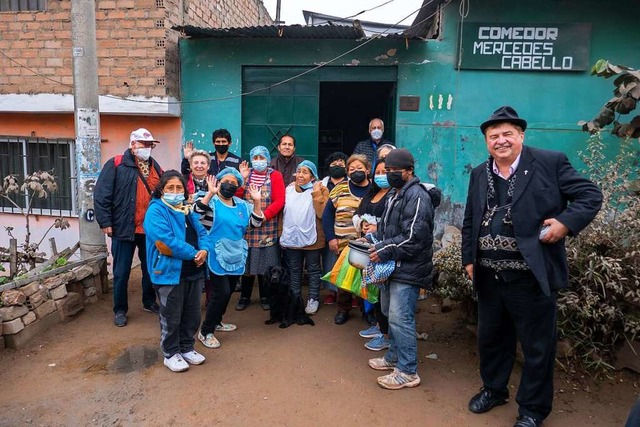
221	222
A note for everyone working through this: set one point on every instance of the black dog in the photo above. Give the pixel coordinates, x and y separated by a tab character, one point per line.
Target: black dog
285	307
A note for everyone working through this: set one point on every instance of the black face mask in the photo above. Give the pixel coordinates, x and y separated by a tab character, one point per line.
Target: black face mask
227	190
358	177
221	148
337	172
395	179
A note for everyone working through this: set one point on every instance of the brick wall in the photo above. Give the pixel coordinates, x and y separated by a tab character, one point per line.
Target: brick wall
137	52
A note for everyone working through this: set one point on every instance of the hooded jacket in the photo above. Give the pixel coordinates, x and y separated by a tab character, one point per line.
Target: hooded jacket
405	233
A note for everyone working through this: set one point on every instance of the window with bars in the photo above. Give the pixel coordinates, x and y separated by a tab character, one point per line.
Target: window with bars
22	5
24	155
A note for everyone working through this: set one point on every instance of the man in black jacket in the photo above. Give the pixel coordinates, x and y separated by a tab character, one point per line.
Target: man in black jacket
521	205
121	197
404	235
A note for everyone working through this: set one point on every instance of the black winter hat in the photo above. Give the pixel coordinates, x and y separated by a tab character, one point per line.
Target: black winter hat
399	158
504	114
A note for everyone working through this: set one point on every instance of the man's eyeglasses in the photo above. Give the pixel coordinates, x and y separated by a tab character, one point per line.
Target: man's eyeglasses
147	144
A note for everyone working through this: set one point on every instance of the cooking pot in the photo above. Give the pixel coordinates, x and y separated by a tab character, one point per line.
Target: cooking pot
359	254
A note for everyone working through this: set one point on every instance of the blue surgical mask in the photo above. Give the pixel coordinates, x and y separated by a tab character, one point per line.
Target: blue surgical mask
381	181
174	199
307	186
259	165
376	134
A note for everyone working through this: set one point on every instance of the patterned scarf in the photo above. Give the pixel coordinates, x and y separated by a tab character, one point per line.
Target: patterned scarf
144	166
492	199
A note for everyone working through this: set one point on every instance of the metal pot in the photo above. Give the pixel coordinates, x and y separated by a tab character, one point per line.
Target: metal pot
359	254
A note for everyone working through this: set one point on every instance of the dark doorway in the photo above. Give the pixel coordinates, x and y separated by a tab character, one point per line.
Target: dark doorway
345	111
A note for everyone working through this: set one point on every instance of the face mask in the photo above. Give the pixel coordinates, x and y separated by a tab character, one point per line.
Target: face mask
307	186
395	179
259	165
337	172
221	148
358	176
376	134
143	153
381	181
227	190
173	199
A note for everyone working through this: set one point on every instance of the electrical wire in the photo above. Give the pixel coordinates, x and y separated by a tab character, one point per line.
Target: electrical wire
369	10
226	98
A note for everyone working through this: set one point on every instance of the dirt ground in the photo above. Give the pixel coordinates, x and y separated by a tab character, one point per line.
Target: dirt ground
76	375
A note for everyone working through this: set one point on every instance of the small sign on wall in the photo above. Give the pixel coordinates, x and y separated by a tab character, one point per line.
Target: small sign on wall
409	103
526	47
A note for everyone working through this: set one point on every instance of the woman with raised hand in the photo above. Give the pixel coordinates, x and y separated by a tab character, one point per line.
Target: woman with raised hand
230	218
264	251
177	247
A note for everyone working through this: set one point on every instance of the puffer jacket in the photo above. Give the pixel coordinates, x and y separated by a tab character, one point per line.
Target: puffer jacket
405	233
115	195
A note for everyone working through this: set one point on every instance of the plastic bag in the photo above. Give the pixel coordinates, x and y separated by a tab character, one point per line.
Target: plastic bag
349	278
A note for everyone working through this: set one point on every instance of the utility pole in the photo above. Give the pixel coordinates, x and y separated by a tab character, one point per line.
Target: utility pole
87	123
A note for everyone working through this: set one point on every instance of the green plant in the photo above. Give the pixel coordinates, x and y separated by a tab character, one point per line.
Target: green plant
601	308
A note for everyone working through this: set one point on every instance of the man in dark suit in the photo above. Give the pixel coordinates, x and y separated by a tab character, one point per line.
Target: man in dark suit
522	203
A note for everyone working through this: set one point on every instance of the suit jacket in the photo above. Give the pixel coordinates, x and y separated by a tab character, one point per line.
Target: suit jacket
546	186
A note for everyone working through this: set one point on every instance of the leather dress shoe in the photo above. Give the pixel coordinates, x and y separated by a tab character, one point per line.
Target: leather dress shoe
341	318
527	421
485	400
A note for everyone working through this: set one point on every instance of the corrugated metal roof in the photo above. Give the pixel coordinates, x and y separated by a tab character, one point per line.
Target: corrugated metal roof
275	32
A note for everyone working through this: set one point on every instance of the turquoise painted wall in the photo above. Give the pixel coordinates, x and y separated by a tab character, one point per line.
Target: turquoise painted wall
445	139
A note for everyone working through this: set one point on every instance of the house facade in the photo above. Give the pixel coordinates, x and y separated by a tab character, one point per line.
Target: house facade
138	76
432	88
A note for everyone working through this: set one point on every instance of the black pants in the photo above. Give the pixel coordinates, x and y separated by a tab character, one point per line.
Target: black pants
247	287
222	289
511	306
383	321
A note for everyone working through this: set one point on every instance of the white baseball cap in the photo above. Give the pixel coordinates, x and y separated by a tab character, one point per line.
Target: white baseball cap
142	135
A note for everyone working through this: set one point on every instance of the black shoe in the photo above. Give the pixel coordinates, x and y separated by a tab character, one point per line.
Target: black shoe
370	318
153	308
527	421
242	303
120	319
341	318
485	400
264	304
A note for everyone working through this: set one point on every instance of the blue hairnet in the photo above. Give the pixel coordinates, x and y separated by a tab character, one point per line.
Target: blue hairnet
230	171
260	150
309	164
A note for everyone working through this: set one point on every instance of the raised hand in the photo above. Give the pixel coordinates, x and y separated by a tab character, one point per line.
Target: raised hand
213	185
256	194
188	149
244	169
317	186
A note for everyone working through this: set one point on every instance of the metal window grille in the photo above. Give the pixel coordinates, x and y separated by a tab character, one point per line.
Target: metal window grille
22	5
25	155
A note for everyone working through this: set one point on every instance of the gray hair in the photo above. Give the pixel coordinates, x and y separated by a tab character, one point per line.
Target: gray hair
384	146
202	153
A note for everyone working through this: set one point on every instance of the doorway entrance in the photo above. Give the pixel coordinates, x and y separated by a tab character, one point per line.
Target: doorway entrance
345	111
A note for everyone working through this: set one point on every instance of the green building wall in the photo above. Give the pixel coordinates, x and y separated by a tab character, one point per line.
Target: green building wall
443	135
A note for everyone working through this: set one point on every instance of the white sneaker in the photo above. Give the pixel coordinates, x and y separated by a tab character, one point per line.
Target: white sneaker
176	363
312	306
193	357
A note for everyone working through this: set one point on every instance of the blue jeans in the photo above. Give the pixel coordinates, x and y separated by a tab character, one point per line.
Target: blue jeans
296	260
122	251
329	258
398	302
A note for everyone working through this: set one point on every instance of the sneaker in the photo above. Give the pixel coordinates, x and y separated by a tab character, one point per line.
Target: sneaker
381	364
330	299
371	332
226	327
153	308
312	306
120	319
209	341
193	357
242	304
377	343
176	363
397	380
264	304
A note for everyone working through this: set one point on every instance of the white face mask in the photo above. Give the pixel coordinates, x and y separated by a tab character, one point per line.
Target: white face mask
376	134
143	153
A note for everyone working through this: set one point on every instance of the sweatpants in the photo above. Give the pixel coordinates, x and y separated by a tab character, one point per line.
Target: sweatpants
179	314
